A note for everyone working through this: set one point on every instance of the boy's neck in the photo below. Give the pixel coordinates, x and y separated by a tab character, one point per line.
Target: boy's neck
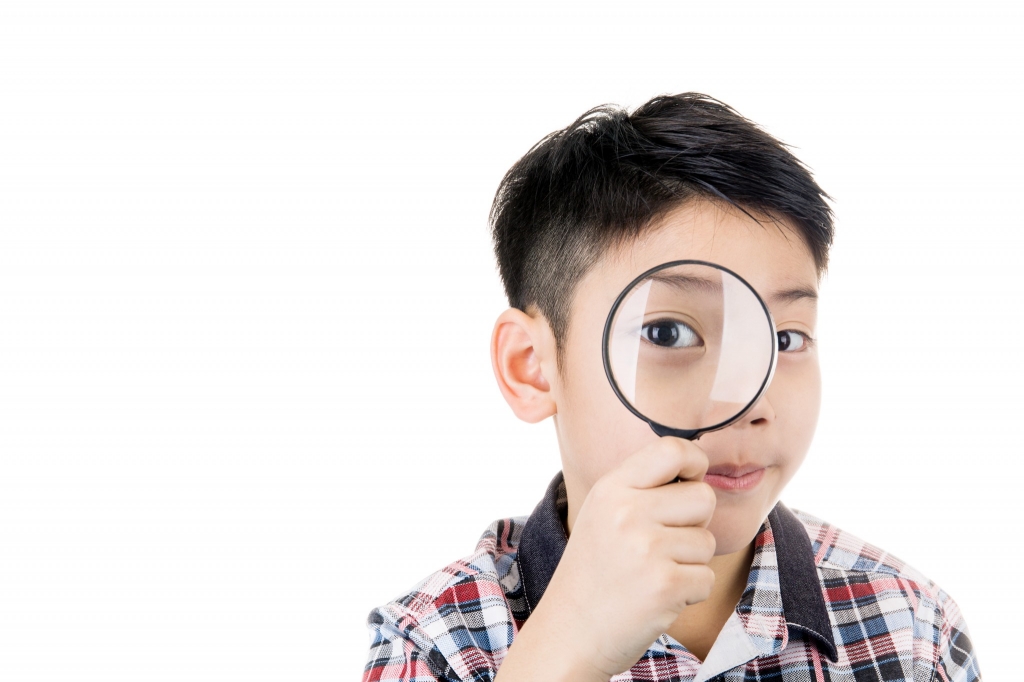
699	625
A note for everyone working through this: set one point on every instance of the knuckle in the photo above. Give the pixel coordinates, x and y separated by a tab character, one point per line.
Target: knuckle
676	444
701	497
702	460
707	543
666	581
671	447
647	549
708	497
620	519
709	538
623	516
601	486
702	580
662	545
659	574
708	579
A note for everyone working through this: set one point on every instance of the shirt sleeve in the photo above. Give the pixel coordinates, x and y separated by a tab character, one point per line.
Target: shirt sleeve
399	654
957	660
455	625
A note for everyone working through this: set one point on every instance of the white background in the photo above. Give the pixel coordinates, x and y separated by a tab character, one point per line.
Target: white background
246	292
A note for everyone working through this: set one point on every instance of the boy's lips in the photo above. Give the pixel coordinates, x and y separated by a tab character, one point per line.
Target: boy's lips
734	477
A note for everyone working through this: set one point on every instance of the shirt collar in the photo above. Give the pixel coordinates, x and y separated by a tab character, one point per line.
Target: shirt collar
544	540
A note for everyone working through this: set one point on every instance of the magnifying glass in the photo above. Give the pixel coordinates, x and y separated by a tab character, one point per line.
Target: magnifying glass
689	347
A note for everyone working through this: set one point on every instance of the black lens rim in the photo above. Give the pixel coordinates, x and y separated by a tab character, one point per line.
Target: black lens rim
662	429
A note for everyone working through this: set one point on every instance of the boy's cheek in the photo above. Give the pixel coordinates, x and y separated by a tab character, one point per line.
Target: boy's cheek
795	394
599	439
596	432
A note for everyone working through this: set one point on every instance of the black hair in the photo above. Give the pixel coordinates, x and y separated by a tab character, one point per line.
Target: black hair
611	174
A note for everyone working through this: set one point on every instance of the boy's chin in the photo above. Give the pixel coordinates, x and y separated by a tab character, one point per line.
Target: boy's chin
734	529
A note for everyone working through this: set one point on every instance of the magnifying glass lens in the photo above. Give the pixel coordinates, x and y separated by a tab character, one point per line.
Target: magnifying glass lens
690	346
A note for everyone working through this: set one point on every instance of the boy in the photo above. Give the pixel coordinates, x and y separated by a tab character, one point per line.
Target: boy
622	572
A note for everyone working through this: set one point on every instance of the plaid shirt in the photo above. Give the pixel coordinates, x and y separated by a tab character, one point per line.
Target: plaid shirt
819	604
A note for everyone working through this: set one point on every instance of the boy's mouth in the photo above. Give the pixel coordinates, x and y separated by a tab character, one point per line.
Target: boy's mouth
732	477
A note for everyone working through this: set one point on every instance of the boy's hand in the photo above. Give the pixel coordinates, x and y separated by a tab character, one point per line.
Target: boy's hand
637	556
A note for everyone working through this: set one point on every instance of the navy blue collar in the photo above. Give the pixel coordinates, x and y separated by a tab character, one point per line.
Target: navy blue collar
544	540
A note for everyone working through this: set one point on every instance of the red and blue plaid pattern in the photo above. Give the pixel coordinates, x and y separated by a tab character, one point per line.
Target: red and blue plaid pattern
888	621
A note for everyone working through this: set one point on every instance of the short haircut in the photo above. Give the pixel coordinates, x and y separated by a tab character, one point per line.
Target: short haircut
611	174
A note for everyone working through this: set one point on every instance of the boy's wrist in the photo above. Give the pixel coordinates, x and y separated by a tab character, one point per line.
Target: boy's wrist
540	653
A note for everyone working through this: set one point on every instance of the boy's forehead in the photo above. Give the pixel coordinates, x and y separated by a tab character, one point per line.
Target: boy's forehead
771	254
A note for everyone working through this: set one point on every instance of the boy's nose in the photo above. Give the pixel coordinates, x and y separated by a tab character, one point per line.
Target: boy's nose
761	414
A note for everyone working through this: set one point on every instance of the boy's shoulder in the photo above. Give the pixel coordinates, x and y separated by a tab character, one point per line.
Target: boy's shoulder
837	551
490	570
868	589
474	604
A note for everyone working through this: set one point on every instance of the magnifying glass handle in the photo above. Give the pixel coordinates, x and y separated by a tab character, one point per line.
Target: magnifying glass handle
662	430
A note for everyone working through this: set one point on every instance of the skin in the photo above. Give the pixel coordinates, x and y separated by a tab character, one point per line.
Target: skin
647	555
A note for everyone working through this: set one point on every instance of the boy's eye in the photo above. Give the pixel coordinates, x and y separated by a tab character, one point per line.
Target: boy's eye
670	334
791	340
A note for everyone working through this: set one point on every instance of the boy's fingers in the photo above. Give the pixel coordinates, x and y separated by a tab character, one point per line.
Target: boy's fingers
687	503
692	545
662	462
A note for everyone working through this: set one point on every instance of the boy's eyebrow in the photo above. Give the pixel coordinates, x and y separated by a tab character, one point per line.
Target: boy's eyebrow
681	281
794	294
689	282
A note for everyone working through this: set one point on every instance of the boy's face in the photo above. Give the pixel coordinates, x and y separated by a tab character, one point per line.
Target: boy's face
596	432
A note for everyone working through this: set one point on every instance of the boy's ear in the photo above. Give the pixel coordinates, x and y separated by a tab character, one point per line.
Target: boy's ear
522	349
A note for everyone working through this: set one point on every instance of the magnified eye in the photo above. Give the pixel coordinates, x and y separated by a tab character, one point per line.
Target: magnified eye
791	340
670	334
